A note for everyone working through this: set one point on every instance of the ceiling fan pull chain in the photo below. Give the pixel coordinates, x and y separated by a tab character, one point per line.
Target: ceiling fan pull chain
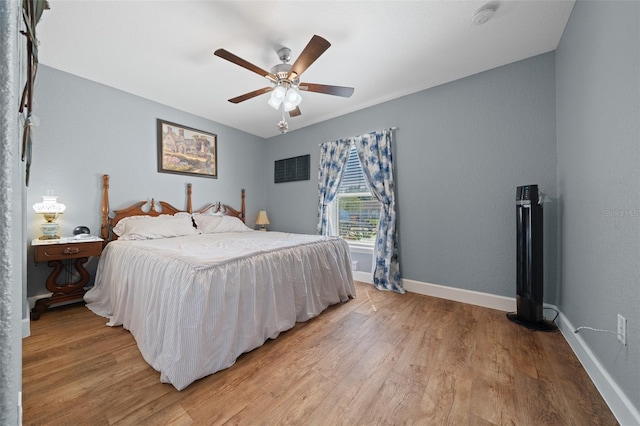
283	126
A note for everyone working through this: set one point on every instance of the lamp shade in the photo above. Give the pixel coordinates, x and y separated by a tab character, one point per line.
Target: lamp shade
262	218
49	205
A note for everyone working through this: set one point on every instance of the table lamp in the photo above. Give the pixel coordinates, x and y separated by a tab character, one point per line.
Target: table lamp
50	209
262	220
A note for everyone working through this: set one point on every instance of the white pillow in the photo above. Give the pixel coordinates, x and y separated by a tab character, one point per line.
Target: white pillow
148	227
180	214
206	223
119	228
210	224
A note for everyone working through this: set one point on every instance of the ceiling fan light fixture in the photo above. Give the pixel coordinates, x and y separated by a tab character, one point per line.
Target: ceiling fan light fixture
293	96
288	106
275	104
277	96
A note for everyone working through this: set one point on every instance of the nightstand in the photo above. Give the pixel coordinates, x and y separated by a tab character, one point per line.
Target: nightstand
56	252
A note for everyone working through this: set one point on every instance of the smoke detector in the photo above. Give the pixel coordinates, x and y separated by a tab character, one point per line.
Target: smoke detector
485	13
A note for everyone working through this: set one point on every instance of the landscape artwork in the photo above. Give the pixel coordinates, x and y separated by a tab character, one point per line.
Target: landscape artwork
184	150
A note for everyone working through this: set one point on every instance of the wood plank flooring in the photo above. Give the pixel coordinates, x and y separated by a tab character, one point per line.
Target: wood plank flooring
382	358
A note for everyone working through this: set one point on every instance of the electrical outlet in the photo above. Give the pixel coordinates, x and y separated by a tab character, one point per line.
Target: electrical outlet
622	329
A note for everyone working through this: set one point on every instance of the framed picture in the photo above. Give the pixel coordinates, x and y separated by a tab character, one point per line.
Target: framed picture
186	151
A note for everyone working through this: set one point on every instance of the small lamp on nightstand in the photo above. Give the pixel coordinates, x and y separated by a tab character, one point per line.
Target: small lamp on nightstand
50	208
262	220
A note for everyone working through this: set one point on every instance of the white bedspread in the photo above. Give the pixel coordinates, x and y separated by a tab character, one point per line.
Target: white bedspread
196	303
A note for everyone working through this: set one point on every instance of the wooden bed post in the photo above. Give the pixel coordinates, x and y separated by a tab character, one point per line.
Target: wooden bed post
104	228
111	218
242	208
189	207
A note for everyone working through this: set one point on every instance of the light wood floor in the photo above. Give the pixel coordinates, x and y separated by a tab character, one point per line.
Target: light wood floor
382	358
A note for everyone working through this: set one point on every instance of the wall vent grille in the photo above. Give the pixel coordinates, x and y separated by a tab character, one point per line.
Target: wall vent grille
292	169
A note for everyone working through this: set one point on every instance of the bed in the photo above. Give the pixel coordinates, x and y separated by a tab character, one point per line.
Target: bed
196	299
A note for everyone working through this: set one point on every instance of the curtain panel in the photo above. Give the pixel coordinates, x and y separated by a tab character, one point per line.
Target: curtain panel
374	152
333	158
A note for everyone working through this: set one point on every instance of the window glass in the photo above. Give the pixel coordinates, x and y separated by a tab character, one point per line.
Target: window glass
356	212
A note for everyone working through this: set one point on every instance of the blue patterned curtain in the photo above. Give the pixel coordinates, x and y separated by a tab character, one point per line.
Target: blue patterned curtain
333	157
374	151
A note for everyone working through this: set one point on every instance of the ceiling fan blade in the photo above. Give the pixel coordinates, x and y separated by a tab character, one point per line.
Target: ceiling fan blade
345	92
295	112
224	54
316	47
250	95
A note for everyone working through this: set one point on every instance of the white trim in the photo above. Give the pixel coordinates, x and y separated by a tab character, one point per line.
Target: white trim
360	248
26	327
501	303
365	277
33	299
620	405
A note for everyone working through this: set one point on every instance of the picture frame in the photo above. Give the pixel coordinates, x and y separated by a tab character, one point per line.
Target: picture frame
186	151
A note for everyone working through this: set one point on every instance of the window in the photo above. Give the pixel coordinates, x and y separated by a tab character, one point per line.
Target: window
355	212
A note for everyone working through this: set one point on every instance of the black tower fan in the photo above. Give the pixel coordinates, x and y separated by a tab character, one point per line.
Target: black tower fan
529	283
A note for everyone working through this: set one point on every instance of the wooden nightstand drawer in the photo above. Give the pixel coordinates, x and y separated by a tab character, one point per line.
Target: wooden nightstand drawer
46	253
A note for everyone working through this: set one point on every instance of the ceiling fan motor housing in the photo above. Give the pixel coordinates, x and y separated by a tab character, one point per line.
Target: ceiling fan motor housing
282	71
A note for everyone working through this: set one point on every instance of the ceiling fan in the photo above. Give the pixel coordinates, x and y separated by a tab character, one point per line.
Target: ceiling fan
285	79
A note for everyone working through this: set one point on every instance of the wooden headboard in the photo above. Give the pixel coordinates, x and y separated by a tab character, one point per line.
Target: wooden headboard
226	209
109	221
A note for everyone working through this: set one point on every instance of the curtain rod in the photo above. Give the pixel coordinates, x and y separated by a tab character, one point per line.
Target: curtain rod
390	128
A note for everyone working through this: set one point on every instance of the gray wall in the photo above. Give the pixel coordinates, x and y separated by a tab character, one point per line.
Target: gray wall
598	115
88	129
11	192
460	151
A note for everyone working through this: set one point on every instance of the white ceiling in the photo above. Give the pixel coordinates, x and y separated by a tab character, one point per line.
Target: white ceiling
163	50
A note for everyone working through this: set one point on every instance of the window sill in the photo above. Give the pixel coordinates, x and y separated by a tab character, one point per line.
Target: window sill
360	248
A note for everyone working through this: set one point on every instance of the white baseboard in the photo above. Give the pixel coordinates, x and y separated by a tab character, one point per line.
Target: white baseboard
362	276
33	299
501	303
621	407
26	327
507	304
